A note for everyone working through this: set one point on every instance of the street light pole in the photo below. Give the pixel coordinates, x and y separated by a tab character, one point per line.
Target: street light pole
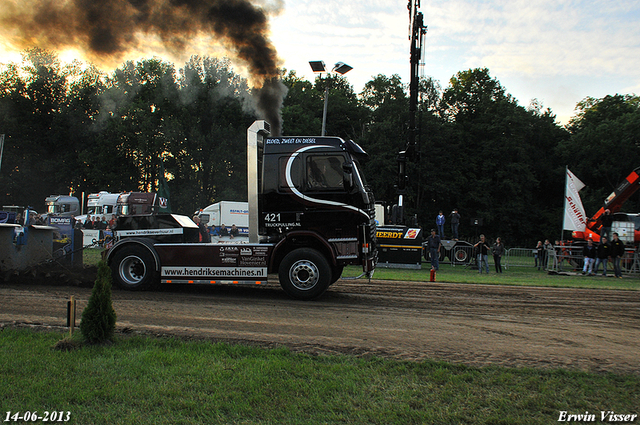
318	67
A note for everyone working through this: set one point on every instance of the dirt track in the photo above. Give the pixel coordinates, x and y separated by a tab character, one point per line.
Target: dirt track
594	330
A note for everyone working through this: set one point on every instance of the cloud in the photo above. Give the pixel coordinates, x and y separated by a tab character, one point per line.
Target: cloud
542	37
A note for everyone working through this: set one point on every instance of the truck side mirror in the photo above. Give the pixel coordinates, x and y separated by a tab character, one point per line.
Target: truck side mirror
347	175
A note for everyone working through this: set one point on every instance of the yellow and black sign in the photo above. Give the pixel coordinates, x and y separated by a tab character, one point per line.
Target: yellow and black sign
399	246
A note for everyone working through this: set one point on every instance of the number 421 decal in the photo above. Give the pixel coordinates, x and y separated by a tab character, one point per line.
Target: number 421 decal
272	217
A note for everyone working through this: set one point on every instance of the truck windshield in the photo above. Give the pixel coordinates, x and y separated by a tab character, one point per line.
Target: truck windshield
53	209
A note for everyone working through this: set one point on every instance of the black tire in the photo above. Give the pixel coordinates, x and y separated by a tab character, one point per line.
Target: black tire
133	268
336	274
305	274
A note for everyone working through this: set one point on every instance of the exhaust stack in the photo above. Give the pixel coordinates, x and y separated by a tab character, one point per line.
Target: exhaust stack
255	143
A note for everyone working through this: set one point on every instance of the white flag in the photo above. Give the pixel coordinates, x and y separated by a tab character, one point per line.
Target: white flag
574	215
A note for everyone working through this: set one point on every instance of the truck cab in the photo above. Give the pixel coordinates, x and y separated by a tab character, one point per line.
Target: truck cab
137	203
102	203
314	194
62	205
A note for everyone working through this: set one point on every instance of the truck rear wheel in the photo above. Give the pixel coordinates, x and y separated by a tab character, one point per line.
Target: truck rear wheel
305	274
133	268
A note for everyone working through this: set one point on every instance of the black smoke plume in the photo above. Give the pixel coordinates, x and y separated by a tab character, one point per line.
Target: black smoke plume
106	30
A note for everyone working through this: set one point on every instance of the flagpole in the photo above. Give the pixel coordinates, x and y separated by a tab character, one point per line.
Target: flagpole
564	209
1	148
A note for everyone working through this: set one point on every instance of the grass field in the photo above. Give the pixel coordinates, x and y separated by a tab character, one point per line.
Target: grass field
140	380
520	276
164	381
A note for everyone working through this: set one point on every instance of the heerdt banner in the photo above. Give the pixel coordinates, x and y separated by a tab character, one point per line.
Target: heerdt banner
399	247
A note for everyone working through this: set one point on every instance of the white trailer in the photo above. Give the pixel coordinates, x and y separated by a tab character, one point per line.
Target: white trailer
227	213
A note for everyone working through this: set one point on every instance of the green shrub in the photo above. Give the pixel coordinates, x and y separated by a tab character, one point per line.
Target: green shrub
99	318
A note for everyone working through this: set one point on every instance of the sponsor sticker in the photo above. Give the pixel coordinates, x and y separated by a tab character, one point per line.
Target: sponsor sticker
412	233
210	272
150	232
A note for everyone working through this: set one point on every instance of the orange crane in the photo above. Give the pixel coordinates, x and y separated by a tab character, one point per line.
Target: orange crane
613	204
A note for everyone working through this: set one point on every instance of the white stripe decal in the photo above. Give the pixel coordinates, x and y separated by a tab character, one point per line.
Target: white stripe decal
307	198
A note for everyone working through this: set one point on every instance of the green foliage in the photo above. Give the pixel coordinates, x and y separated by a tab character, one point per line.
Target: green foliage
99	318
74	128
604	146
166	381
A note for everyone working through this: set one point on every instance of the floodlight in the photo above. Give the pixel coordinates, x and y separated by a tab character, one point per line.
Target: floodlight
342	68
317	66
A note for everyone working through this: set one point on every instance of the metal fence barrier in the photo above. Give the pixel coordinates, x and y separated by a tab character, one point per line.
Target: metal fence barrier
565	258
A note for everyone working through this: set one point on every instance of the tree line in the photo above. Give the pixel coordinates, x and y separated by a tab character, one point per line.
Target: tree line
73	128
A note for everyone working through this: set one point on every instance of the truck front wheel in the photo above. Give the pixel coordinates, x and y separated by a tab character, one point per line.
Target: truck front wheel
133	268
305	274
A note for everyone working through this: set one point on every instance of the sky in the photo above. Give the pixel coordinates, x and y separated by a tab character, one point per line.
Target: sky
557	52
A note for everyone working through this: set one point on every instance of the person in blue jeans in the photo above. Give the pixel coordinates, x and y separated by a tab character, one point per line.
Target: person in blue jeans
440	223
616	253
602	253
455	222
483	253
433	242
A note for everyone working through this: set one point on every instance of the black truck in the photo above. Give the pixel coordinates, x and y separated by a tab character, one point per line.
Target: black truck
310	214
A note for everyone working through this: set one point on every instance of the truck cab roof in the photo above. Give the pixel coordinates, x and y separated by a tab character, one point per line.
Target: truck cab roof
293	143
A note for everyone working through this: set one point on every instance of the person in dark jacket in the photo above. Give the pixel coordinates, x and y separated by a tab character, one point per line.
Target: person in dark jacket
434	244
498	251
204	235
538	255
617	252
88	224
603	253
482	251
589	252
455	223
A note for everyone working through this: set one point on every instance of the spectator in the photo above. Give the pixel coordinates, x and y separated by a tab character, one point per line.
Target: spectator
617	252
440	223
88	224
589	253
204	235
112	222
607	220
603	252
434	244
498	251
101	223
538	255
455	223
223	231
234	231
482	250
549	252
